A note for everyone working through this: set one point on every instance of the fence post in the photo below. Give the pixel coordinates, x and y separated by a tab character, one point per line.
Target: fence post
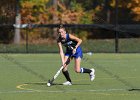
116	26
27	51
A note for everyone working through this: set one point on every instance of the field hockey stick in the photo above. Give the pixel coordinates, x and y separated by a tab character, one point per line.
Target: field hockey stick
50	82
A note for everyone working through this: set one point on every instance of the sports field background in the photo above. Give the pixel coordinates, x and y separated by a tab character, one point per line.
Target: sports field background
24	77
110	29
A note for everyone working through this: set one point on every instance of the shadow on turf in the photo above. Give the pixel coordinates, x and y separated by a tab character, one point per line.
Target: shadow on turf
134	90
41	83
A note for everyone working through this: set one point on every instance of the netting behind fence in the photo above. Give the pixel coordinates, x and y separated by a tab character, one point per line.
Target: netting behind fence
95	39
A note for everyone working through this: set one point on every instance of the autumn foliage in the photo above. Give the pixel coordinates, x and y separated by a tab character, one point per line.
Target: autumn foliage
45	12
68	12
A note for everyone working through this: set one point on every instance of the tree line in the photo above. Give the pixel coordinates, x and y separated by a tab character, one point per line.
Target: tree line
67	12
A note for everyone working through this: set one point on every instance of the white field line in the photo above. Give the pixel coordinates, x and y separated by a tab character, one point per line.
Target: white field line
18	91
107	78
59	91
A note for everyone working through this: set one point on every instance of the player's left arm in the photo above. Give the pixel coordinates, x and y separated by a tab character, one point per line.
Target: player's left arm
79	41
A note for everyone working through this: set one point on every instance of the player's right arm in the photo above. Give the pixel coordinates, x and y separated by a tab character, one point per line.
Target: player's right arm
61	52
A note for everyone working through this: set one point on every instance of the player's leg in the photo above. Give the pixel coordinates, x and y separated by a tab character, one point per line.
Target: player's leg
66	73
78	69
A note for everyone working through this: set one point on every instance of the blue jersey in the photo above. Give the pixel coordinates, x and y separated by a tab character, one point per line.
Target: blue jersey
68	43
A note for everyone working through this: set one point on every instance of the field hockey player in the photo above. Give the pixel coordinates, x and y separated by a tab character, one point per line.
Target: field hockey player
72	44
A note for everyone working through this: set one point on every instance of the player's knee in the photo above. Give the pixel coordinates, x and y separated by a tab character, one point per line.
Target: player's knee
77	70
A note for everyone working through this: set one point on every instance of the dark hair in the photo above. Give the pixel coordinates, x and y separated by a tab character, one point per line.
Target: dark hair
60	27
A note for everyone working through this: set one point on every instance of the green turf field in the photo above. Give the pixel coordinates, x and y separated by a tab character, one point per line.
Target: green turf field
24	76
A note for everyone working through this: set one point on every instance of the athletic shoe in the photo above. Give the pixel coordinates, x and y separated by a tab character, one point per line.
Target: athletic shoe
92	74
67	83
